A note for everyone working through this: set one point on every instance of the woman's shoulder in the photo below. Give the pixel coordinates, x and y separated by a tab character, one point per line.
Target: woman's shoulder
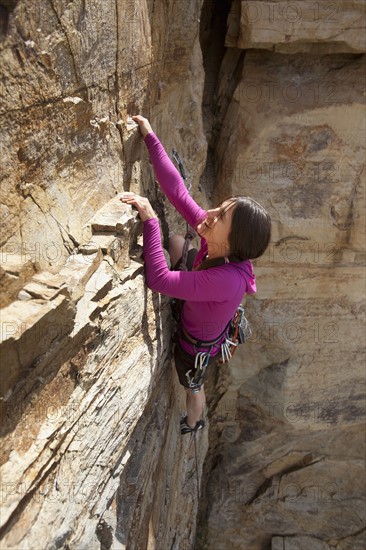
240	273
229	276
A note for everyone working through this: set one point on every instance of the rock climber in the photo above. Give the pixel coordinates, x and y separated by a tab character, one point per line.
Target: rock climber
219	274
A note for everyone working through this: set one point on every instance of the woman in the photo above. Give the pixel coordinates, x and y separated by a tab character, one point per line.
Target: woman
238	230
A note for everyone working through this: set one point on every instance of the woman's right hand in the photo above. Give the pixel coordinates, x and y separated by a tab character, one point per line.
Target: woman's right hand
144	125
141	203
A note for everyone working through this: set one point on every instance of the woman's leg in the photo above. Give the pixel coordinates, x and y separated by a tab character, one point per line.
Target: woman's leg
176	243
195	406
194	402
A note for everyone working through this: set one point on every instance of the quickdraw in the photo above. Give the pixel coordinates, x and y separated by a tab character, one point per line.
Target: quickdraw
200	365
177	159
239	332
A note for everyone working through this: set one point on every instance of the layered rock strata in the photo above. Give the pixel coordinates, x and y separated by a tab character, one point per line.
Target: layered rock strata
91	451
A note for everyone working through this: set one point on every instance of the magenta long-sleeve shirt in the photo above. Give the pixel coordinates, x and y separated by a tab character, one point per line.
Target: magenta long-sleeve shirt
211	296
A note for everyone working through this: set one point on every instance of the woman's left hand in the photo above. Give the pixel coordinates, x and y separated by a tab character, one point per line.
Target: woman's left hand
142	204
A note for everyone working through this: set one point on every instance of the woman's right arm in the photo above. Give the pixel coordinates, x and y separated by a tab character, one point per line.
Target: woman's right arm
169	178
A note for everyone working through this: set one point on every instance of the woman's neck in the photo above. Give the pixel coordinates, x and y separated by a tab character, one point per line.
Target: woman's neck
213	251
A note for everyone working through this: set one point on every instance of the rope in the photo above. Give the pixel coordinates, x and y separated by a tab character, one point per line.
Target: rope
198	482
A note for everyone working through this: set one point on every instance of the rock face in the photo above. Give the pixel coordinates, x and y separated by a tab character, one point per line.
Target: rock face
259	98
285	465
91	456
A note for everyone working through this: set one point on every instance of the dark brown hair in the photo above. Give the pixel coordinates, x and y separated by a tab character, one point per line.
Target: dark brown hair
250	232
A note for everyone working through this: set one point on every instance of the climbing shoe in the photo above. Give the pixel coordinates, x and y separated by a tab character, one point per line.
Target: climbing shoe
186	429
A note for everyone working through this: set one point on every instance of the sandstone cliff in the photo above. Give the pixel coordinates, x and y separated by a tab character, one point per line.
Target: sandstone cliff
285	468
259	98
91	456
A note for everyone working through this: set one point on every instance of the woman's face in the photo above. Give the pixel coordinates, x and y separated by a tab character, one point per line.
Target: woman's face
217	226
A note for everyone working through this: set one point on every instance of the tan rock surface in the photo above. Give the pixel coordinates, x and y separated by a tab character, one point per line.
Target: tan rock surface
287	439
91	451
299	26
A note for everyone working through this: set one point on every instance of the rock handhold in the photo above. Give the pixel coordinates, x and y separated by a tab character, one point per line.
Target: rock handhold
74	100
130	124
114	213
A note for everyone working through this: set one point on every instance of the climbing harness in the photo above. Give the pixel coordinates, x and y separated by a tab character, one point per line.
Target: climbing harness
196	374
236	332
